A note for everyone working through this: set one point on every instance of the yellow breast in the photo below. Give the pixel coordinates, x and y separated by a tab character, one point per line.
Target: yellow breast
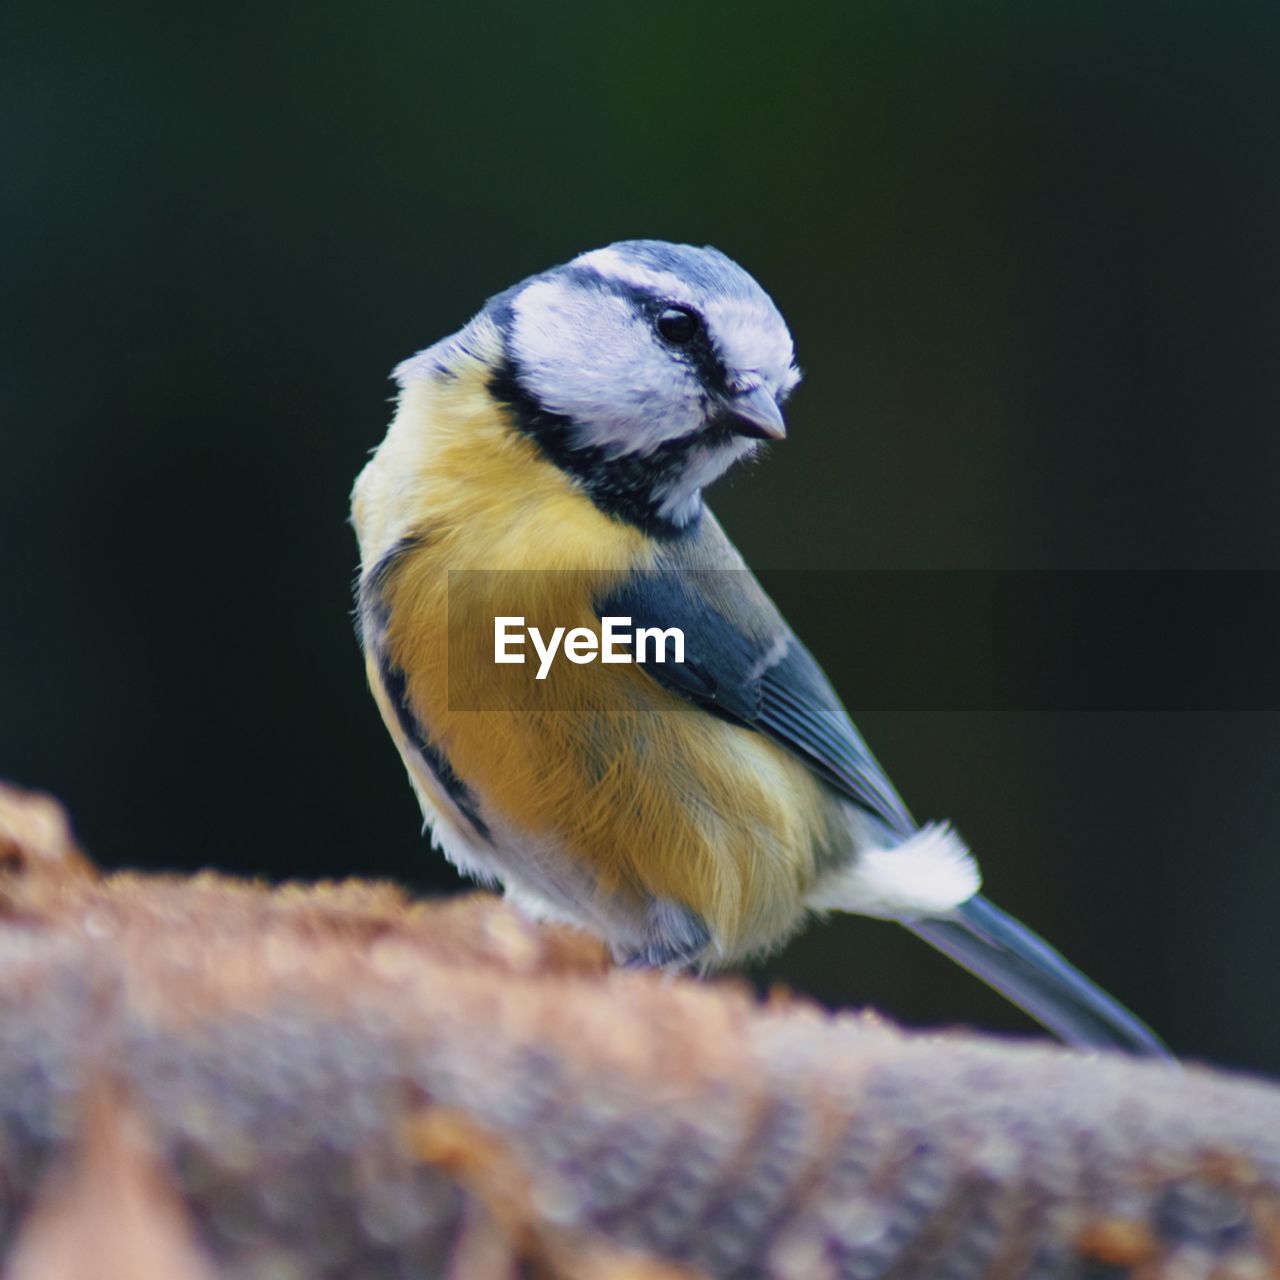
651	795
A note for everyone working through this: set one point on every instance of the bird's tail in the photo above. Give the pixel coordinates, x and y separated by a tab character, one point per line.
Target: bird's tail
1028	971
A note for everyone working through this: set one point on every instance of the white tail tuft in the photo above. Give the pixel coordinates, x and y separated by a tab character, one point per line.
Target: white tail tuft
927	875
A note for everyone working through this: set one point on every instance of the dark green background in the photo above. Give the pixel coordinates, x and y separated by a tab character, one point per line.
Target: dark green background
1029	253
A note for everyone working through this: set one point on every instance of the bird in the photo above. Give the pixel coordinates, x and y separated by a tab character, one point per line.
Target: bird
547	463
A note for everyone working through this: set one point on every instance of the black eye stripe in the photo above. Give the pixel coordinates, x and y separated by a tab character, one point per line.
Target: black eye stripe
696	348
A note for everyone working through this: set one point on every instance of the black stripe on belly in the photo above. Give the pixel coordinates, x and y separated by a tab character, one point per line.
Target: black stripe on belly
374	613
393	680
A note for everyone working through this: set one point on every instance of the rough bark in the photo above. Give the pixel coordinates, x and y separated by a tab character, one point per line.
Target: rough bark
202	1078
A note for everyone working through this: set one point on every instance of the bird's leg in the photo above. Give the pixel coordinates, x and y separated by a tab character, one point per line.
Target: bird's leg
675	938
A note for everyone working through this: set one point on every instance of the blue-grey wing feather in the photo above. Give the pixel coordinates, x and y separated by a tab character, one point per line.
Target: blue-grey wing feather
743	662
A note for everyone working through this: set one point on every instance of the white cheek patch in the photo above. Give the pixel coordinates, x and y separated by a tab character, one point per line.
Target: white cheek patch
586	355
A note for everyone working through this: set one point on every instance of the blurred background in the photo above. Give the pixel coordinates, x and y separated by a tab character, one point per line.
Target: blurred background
1030	257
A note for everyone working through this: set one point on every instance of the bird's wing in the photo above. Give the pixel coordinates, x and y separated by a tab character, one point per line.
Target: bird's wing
742	661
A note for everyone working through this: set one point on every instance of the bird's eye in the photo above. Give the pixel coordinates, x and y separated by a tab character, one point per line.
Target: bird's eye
679	325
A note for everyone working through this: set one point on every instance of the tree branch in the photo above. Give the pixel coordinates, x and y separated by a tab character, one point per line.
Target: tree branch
201	1077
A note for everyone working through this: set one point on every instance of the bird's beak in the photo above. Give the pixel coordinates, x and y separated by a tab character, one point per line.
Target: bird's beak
755	413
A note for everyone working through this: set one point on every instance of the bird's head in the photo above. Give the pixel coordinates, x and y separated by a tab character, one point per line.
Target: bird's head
645	370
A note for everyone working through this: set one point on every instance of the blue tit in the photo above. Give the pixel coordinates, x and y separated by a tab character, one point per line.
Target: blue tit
548	462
